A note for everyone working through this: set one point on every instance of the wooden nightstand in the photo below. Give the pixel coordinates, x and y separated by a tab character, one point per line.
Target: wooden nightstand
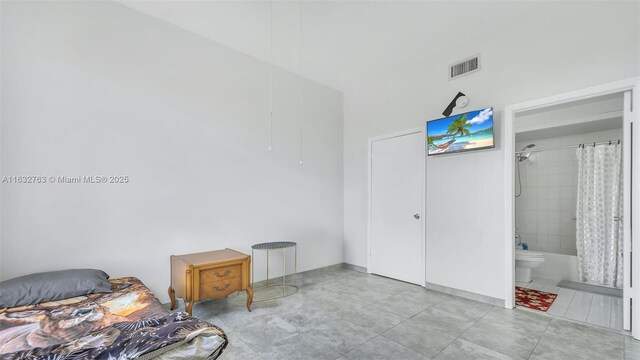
209	275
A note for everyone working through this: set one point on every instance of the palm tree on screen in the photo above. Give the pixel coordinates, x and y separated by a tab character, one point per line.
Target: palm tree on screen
459	127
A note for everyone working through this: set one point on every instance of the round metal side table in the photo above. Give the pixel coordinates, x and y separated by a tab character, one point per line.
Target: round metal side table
278	245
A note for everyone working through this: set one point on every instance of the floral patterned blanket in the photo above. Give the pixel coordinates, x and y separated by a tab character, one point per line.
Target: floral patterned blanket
129	323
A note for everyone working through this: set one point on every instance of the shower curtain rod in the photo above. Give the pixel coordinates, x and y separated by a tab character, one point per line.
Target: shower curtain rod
610	142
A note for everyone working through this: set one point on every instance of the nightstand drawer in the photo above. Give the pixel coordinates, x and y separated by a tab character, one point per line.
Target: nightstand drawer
220	289
222	273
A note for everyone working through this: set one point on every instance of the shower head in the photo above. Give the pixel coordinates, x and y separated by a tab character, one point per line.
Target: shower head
528	147
522	156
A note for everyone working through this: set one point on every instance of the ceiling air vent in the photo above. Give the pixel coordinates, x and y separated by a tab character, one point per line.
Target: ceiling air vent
464	67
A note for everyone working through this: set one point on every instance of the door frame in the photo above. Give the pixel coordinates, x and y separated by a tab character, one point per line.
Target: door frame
621	86
370	141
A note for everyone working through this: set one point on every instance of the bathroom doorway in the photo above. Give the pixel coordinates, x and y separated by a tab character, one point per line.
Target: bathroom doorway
570	226
553	210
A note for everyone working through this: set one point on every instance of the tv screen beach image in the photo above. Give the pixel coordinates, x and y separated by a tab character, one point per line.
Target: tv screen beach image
463	132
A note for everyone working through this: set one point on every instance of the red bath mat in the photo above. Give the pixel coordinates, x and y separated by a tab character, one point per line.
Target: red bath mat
534	299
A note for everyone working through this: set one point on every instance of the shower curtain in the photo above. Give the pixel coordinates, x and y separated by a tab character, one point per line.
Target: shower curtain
599	236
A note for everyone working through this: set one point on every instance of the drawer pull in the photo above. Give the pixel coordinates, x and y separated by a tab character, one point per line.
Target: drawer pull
221	289
226	273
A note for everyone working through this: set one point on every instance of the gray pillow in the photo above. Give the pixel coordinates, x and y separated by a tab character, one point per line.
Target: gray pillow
55	285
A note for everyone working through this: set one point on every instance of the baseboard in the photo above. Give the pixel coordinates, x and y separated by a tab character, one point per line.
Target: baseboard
466	294
352	267
443	289
291	278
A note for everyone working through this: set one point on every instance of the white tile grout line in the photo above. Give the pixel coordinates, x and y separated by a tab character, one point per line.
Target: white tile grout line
545	284
377	335
389	329
407	319
571	303
467	329
588	311
613	313
608	326
538	341
456	337
568	305
610	311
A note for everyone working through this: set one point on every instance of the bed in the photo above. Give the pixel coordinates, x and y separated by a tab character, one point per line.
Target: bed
128	323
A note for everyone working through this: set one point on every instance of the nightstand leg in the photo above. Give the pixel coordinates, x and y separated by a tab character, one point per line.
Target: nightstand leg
188	306
249	297
252	264
172	296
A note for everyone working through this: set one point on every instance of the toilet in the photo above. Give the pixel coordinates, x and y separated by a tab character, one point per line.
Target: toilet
525	261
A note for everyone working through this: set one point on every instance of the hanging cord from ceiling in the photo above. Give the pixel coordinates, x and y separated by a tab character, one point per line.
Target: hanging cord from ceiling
300	87
270	120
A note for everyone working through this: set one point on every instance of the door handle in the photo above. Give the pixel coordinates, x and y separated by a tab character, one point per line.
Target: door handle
221	289
417	216
223	275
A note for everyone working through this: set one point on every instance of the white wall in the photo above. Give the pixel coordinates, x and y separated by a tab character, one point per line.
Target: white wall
557	47
546	209
96	88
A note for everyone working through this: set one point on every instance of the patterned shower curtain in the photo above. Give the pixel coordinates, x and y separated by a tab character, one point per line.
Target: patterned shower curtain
599	236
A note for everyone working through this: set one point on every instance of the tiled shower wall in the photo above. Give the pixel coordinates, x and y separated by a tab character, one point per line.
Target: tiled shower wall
546	210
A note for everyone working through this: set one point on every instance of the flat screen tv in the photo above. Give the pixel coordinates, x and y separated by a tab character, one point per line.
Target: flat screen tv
463	132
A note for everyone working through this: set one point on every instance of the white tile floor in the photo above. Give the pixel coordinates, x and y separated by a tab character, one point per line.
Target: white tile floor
594	309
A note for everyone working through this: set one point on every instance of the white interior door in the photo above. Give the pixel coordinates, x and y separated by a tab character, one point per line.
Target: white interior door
396	180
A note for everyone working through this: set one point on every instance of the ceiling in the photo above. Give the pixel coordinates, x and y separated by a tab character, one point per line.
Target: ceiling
345	42
342	40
